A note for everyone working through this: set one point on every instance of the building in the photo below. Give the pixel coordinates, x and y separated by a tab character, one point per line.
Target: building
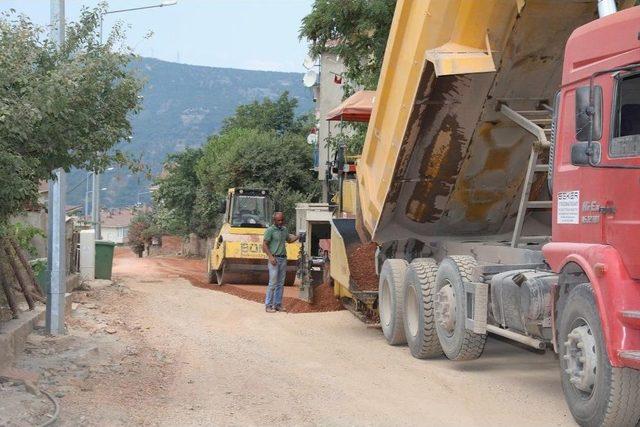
115	225
328	94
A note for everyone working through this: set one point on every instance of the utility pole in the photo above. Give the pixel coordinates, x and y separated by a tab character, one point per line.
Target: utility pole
95	197
56	217
86	197
95	204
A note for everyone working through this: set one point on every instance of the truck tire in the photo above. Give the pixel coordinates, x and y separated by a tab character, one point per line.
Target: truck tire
597	393
457	342
390	304
419	322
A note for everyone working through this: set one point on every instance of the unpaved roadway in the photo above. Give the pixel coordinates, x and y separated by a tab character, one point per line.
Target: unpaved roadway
203	357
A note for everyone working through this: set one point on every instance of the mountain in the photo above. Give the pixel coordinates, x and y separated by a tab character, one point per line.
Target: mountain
183	105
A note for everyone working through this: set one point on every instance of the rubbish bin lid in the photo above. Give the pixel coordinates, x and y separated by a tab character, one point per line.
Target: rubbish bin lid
105	243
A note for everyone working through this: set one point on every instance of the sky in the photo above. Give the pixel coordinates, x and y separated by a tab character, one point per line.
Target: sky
246	34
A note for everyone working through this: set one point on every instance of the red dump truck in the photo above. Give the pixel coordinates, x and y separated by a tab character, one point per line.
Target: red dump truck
500	178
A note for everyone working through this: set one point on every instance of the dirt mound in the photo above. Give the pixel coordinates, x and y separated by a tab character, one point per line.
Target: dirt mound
323	300
362	265
194	270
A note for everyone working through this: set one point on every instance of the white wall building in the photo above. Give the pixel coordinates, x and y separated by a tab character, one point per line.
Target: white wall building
115	225
330	94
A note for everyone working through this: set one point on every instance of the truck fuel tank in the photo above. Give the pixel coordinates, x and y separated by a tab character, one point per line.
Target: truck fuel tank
521	299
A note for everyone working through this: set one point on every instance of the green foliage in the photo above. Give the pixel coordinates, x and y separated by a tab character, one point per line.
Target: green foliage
177	190
59	107
262	146
357	30
250	156
24	234
254	158
206	218
278	115
141	230
351	136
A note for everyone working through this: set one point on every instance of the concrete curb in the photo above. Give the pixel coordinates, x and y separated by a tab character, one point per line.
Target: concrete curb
14	333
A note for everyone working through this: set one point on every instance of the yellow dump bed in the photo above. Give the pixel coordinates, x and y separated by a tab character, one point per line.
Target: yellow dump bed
439	159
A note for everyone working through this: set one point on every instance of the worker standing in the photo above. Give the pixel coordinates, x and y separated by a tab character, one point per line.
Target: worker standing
274	244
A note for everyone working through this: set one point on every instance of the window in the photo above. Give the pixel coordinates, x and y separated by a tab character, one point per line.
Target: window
625	141
250	211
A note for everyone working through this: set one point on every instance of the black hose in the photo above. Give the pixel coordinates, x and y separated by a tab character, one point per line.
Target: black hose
56	406
56	411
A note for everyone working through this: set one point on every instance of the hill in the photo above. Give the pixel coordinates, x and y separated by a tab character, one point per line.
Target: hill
183	105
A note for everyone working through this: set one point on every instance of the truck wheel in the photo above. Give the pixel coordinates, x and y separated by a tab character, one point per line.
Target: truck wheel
419	323
390	296
597	393
457	342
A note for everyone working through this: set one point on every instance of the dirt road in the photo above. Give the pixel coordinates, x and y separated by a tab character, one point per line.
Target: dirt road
202	357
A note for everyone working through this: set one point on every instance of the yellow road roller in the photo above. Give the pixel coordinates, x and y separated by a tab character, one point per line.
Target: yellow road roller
236	255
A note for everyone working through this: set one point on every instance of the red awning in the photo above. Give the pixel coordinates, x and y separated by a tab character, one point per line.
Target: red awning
356	108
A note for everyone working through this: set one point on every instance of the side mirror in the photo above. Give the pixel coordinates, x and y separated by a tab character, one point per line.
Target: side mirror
580	156
585	113
223	207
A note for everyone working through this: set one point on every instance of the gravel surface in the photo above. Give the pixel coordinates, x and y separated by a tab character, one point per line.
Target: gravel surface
155	350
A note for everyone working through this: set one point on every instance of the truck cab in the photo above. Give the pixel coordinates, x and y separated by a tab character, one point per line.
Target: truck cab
596	177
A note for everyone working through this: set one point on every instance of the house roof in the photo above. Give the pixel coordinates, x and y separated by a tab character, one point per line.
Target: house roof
116	218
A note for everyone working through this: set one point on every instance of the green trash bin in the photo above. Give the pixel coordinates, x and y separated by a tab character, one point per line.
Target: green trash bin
104	259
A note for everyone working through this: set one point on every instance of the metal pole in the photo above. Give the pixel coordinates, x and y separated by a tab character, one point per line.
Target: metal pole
606	8
95	190
86	197
96	206
56	218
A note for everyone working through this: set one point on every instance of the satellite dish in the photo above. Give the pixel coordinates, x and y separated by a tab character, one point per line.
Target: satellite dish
310	78
308	63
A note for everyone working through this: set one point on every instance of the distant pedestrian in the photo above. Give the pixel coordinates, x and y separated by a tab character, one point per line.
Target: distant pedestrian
274	245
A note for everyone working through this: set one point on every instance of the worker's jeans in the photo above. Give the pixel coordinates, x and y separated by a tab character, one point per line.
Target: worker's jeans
277	274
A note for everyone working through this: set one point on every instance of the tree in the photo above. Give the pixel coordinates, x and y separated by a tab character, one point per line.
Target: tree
59	108
278	115
262	145
141	230
254	158
177	191
357	30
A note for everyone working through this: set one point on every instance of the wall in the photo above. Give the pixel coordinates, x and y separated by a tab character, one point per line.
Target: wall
38	220
330	96
114	234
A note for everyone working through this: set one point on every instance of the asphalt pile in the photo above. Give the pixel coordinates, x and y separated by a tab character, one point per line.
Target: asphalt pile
363	267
